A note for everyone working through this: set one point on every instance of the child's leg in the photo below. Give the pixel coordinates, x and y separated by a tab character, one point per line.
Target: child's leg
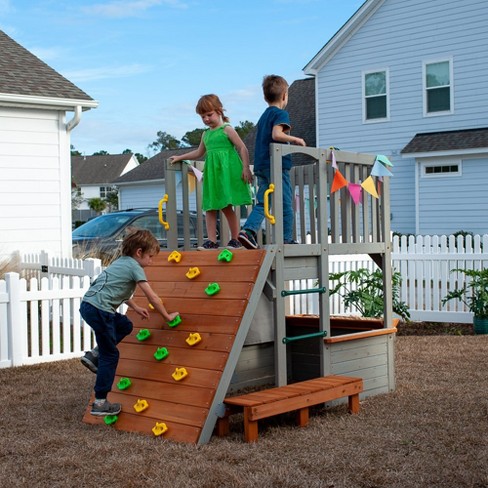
211	223
232	220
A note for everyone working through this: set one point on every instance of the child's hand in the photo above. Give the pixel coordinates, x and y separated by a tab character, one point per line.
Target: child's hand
247	175
171	316
143	312
173	159
299	142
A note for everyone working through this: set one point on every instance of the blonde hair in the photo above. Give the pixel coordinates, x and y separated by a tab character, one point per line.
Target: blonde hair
139	239
211	103
274	87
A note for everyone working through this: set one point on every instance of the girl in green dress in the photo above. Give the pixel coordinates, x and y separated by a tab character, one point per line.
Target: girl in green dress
226	172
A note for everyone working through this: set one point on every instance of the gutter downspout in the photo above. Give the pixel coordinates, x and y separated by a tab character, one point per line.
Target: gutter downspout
75	120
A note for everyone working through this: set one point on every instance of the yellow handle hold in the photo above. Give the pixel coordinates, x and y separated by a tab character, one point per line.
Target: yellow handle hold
160	210
270	217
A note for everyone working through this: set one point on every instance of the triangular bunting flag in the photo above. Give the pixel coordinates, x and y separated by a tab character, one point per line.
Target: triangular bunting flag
355	191
178	177
380	170
339	182
383	160
334	161
197	173
369	186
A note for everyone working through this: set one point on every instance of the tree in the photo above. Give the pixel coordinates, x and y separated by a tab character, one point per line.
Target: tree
76	196
164	141
112	199
193	137
100	153
74	151
140	157
97	204
244	128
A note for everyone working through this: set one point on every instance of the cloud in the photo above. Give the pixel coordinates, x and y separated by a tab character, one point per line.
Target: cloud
123	8
107	72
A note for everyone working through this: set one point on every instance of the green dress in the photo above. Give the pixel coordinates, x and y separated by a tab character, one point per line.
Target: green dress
222	174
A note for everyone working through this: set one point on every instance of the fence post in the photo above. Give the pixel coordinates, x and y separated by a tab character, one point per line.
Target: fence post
92	267
16	328
44	262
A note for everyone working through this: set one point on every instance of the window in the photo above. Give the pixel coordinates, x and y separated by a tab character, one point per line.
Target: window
437	87
445	168
375	105
105	190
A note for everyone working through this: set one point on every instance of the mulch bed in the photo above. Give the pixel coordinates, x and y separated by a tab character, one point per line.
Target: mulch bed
434	329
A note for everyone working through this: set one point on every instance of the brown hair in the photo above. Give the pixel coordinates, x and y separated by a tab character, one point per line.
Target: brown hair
210	103
274	87
139	239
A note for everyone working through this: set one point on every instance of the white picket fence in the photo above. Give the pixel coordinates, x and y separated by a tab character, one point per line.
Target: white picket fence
39	314
40	322
425	264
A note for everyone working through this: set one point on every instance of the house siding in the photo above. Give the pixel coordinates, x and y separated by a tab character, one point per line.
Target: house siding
399	37
468	206
144	195
34	189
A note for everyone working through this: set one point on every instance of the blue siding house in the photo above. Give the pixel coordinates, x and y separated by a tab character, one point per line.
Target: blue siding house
409	79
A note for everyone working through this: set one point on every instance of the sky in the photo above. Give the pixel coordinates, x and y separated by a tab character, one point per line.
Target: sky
147	62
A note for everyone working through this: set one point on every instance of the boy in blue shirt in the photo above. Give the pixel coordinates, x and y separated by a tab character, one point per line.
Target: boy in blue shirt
114	286
273	126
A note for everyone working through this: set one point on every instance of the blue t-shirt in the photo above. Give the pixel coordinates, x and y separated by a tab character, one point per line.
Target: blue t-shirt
115	284
272	116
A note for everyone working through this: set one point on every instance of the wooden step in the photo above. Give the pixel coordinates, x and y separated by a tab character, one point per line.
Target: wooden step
295	397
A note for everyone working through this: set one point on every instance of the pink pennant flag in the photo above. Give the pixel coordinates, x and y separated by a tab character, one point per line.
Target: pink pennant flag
339	182
355	191
369	186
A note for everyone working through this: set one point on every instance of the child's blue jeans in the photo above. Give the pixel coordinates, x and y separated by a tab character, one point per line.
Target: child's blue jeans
256	217
110	329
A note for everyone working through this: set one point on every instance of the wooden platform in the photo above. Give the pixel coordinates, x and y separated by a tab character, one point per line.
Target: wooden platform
188	405
294	397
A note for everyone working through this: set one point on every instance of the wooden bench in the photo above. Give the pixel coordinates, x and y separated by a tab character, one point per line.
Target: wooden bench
296	396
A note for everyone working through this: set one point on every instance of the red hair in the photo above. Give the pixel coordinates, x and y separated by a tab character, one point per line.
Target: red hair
211	103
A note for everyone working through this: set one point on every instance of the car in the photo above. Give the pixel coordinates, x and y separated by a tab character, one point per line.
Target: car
102	236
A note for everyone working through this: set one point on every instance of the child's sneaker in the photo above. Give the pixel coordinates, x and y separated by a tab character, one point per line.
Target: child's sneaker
208	246
247	239
90	361
105	408
234	244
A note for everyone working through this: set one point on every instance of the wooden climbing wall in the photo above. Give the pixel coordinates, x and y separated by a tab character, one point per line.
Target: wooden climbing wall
183	405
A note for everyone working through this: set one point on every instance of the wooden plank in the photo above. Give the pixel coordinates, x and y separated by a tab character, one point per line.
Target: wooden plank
176	392
212	360
290	404
177	338
161	372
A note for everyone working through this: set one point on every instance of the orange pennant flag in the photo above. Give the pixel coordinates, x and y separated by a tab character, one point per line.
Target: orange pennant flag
339	181
191	182
369	186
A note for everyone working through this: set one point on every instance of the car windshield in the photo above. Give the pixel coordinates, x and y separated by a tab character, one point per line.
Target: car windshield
103	226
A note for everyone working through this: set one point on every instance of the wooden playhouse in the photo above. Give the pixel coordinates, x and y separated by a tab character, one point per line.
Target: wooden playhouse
181	382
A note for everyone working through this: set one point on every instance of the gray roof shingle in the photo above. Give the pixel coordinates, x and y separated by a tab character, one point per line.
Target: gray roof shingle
448	141
98	170
22	73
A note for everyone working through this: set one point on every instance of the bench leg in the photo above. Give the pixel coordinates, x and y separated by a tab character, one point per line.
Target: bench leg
250	427
302	417
223	427
353	403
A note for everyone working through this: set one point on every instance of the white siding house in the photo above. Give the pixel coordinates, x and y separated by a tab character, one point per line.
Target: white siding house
400	69
35	180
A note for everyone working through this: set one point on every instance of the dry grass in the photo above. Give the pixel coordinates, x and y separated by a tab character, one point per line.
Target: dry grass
431	432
